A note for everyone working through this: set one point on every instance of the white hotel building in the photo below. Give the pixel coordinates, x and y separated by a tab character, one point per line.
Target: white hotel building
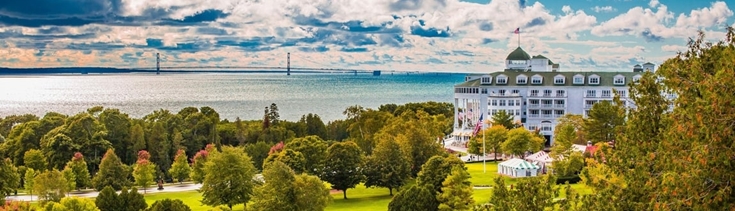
536	93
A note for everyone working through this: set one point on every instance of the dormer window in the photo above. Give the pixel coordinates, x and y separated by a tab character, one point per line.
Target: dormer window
619	80
537	79
501	79
521	79
578	79
594	79
637	78
486	80
559	79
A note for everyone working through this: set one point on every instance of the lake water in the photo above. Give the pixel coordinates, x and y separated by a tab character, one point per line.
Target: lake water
231	95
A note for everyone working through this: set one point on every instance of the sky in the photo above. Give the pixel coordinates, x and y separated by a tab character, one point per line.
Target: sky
401	35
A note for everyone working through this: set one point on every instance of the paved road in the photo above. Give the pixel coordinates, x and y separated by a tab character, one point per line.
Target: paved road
168	188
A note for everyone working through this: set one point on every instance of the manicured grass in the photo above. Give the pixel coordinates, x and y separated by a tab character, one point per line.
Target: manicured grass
191	198
362	198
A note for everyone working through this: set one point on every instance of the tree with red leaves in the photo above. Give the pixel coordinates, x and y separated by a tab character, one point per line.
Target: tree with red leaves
81	174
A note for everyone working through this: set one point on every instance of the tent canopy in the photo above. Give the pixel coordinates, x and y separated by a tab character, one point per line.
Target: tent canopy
516	163
540	156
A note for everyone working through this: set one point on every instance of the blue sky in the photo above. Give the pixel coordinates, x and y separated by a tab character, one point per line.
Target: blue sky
404	35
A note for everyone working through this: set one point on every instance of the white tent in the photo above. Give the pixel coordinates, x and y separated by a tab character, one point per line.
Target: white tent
518	168
542	159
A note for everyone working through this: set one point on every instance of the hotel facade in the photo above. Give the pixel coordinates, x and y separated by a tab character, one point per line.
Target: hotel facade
535	93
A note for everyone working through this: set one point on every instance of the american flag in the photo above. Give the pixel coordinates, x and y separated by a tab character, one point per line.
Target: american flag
478	126
517	31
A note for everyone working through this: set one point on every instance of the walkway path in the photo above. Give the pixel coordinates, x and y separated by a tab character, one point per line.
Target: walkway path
466	158
168	188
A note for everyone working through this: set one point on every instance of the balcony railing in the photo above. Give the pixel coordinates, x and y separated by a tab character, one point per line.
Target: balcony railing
558	115
533	105
588	106
546	105
560	105
590	95
533	115
533	95
547	115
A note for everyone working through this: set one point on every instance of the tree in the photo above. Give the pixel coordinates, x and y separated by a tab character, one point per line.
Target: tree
137	138
314	125
273	115
313	149
603	121
144	170
50	186
79	168
118	127
285	191
71	180
456	191
112	173
567	162
258	153
577	121
132	200
342	166
169	205
505	119
73	204
28	185
35	159
435	171
180	170
160	147
228	178
494	137
417	134
520	141
535	193
293	159
387	167
197	166
414	197
108	200
311	193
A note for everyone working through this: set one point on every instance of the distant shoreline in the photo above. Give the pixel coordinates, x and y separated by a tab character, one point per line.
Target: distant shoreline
102	70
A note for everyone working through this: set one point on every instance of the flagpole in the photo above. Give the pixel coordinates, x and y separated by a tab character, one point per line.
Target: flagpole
484	154
519	38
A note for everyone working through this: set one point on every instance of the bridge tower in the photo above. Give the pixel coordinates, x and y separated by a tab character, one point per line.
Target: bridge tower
158	63
288	63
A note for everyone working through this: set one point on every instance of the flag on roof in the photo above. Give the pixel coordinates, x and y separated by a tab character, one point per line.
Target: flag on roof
517	31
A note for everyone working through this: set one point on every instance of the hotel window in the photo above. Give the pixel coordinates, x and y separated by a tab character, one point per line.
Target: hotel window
605	93
494	112
509	112
484	91
486	80
591	93
546	113
560	93
534	113
501	92
494	103
531	127
518	112
559	103
518	102
559	80
502	103
533	102
534	93
536	79
578	79
515	91
589	103
466	78
511	103
594	80
558	113
501	79
521	79
546	127
547	93
619	80
636	78
622	93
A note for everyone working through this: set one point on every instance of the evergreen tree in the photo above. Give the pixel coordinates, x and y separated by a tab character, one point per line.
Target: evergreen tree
387	166
273	115
180	170
414	197
342	167
197	166
603	121
137	138
132	201
169	205
81	173
108	200
456	191
112	173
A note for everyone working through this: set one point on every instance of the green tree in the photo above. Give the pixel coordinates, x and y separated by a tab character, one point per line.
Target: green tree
603	121
144	170
493	138
417	134
169	205
311	193
132	200
228	179
387	167
258	152
82	178
535	193
520	141
314	125
71	179
295	160
313	149
575	120
278	191
112	173
414	197
566	161
35	159
364	124
108	200
118	134
50	186
137	138
160	147
436	170
505	119
273	115
501	197
456	191
342	166
28	184
73	204
180	170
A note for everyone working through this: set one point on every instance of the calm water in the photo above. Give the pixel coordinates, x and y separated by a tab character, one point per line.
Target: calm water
232	95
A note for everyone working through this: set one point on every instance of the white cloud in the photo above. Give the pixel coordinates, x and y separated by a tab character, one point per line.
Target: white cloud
673	48
653	3
599	9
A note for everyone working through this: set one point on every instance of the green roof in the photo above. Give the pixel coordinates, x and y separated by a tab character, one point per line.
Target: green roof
518	54
606	78
539	57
